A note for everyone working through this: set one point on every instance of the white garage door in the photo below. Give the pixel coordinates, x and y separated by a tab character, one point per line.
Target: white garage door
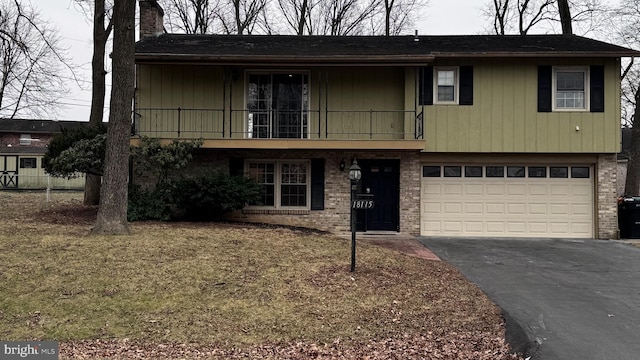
507	201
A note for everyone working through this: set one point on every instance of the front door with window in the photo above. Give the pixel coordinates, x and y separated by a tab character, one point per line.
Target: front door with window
382	179
277	105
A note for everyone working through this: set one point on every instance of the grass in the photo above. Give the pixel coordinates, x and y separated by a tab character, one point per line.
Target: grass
224	284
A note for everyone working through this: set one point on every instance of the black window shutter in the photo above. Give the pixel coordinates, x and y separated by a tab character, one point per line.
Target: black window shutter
597	88
317	184
425	85
236	166
544	88
466	85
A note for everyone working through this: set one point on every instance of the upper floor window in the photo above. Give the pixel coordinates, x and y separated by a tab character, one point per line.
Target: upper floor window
445	85
446	88
570	88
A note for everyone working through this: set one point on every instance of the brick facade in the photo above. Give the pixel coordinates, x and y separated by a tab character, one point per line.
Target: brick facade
606	189
336	214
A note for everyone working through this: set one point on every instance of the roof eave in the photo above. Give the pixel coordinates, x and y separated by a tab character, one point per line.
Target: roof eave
537	54
289	60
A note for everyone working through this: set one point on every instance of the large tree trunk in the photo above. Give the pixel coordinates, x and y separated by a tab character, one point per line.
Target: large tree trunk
100	36
112	214
565	17
632	183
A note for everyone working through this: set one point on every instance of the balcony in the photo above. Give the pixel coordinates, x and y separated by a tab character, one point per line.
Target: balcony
278	128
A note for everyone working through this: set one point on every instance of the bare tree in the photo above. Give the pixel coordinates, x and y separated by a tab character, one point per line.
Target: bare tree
565	17
342	17
193	16
241	16
626	19
296	14
112	213
397	15
102	27
523	16
33	66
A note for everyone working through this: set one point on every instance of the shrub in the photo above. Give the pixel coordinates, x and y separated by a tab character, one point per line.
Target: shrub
209	197
148	205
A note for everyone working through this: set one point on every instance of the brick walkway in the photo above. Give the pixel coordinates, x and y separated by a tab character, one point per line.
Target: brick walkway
402	243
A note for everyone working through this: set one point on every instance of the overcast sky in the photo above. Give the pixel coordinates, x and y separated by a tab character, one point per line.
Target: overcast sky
75	31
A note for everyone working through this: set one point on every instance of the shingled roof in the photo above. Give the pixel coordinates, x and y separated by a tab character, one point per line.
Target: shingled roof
378	49
30	126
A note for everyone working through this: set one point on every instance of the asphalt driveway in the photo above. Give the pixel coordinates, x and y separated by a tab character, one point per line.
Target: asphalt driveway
573	299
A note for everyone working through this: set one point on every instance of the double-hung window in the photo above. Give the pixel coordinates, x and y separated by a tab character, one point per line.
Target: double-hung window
446	85
285	183
570	88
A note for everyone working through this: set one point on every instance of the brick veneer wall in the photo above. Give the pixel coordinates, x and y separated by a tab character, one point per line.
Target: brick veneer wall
607	197
335	216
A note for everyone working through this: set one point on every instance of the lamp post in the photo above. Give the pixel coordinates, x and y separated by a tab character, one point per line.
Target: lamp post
355	173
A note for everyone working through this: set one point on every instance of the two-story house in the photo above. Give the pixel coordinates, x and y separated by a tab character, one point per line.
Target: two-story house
23	143
456	135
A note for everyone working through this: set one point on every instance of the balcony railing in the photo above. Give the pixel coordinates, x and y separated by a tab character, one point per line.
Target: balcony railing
278	124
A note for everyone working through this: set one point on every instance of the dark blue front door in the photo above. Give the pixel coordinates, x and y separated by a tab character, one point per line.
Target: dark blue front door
382	179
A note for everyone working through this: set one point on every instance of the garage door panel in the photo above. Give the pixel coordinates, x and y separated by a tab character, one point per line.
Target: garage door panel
581	209
454	227
495	189
538	190
516	209
496	227
473	227
538	228
560	228
581	228
537	209
495	208
453	189
474	189
559	209
517	227
516	190
507	206
431	207
560	190
474	208
451	208
581	190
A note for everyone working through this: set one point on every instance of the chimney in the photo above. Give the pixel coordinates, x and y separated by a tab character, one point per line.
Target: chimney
150	18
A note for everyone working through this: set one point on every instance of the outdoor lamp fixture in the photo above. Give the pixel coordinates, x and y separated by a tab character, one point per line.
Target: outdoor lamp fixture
342	165
355	174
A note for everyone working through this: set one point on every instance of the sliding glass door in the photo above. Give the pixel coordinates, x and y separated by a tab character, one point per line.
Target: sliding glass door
277	105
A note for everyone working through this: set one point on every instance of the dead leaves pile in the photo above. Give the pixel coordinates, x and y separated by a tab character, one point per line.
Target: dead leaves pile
460	346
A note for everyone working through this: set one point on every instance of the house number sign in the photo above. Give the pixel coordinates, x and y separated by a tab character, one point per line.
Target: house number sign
363	204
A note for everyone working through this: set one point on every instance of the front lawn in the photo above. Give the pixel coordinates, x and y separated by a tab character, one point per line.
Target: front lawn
193	290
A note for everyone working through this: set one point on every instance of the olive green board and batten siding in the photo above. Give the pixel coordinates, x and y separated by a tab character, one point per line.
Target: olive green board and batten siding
504	117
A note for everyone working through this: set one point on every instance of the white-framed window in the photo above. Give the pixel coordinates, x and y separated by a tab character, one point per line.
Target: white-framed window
285	183
445	85
25	139
571	88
